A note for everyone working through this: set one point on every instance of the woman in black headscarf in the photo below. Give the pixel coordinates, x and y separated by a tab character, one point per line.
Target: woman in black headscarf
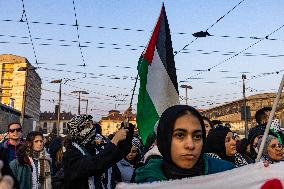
221	144
180	139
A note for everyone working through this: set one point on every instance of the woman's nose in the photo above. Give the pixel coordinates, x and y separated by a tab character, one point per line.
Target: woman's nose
189	143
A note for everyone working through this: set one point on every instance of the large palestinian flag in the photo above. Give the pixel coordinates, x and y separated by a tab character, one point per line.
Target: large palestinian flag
158	80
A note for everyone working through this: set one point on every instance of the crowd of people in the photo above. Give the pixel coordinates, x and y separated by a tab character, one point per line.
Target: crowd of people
183	144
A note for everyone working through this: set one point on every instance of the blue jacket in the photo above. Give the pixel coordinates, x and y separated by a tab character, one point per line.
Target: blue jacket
153	170
23	174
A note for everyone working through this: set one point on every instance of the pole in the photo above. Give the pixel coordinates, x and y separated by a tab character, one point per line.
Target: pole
276	100
58	113
186	95
24	98
87	106
79	102
245	108
133	90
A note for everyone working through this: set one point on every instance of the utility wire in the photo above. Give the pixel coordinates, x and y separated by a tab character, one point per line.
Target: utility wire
78	35
209	27
237	54
225	14
28	26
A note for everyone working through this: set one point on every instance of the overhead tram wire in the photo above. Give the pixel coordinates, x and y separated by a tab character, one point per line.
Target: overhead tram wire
99	75
28	26
130	29
210	26
94	84
201	51
78	35
237	54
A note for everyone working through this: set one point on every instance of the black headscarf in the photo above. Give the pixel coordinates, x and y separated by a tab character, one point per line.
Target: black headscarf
215	142
164	140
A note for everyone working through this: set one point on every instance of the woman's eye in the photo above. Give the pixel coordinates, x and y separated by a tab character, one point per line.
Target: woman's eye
179	135
197	137
227	139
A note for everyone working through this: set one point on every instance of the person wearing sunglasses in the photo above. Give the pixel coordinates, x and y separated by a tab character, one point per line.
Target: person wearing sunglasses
272	151
14	141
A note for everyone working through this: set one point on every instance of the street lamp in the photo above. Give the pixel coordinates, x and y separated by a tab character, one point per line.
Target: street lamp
86	100
26	70
186	87
59	103
79	92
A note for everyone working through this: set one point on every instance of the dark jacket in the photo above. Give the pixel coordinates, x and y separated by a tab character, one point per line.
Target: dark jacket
78	167
6	170
153	170
10	150
23	174
54	146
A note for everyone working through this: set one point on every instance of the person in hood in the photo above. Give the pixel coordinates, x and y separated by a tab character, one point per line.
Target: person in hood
83	165
221	144
123	170
181	137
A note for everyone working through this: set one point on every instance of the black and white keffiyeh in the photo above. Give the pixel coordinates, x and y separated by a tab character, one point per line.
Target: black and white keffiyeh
79	127
237	159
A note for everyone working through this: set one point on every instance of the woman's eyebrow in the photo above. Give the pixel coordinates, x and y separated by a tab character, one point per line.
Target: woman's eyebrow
180	129
197	131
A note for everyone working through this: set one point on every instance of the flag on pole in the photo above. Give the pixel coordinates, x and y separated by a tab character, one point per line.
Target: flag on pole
158	81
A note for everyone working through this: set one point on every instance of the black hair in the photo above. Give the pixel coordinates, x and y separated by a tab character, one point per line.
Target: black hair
260	114
209	121
13	123
98	128
216	122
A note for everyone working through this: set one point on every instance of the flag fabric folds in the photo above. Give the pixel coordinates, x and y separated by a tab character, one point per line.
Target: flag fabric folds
158	80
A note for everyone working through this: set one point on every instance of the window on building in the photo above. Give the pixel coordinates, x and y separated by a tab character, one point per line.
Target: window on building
64	128
44	128
54	128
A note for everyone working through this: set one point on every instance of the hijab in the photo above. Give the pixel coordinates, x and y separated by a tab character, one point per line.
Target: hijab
216	141
164	139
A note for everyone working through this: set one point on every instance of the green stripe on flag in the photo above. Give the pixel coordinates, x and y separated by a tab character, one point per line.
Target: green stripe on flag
147	115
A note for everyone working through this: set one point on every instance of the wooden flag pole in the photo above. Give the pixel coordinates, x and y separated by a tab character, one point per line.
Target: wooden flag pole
272	113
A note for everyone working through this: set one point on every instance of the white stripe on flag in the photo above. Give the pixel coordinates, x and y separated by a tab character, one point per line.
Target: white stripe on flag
159	85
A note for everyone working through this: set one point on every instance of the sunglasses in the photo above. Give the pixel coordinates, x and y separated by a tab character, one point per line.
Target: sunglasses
13	130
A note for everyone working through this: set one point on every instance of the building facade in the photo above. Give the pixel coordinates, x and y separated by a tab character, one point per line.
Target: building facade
15	73
231	112
9	115
111	123
48	121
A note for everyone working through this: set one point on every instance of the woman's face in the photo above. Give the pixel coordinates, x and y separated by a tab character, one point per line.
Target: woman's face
274	150
187	141
207	126
132	154
230	144
38	144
